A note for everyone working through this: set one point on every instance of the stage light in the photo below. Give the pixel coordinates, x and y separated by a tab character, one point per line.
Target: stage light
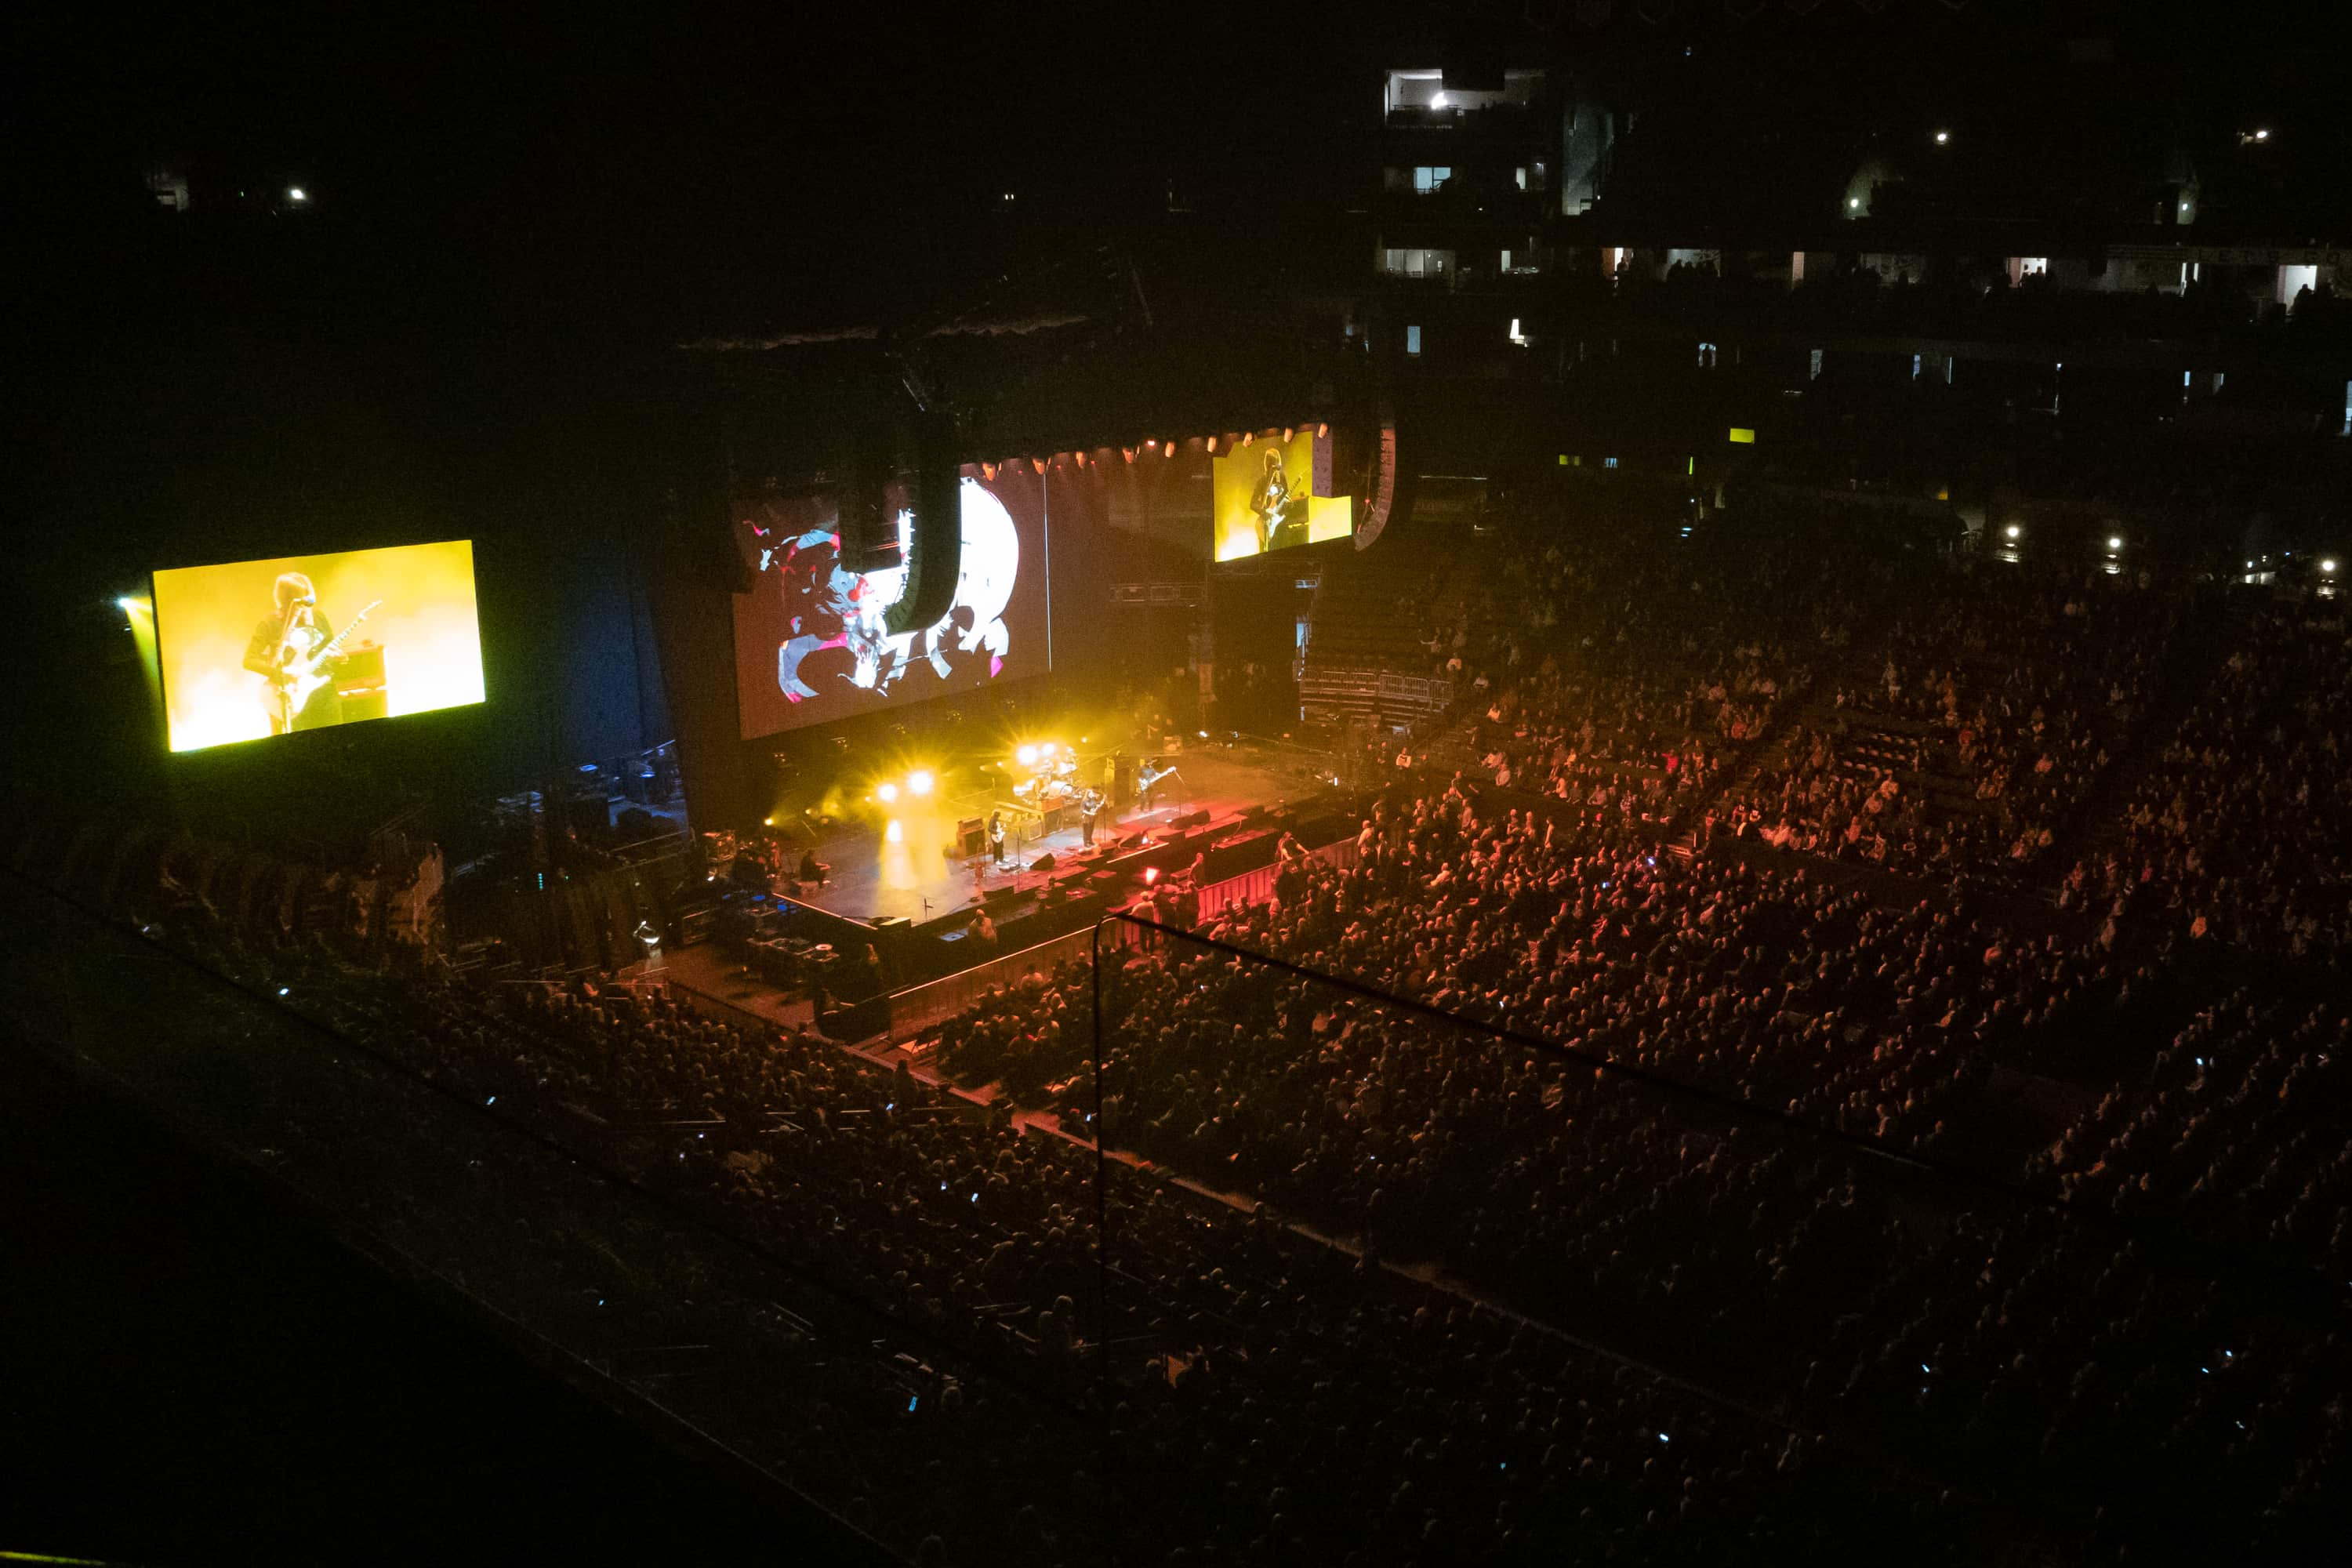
919	781
1048	749
2262	135
1323	429
1151	875
1210	443
2012	531
886	794
1167	448
896	832
297	193
2114	543
1027	756
1943	138
1287	432
2327	567
1248	436
1853	201
1128	452
770	821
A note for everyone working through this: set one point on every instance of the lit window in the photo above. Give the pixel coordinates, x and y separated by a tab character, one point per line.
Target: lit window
1413	340
1608	462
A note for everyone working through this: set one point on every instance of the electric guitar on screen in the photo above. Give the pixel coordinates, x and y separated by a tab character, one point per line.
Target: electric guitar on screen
300	674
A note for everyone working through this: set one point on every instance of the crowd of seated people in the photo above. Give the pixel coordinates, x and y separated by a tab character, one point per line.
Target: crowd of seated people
2235	831
1996	707
1583	1203
1274	1398
1860	1162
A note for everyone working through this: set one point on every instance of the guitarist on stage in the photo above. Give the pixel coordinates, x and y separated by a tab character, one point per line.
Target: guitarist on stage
280	643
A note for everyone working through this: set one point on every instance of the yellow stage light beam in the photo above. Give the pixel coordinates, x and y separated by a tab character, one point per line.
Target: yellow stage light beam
886	794
919	781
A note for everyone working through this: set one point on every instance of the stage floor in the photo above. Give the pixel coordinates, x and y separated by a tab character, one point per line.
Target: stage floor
874	874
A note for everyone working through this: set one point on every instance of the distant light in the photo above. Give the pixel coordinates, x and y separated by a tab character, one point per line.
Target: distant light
1943	138
770	821
282	991
886	794
2114	543
1287	432
2262	135
2012	531
1324	430
1853	201
296	193
919	781
2327	565
1151	875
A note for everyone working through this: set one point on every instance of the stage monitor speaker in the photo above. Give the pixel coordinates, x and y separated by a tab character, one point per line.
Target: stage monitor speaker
1043	863
893	925
1191	819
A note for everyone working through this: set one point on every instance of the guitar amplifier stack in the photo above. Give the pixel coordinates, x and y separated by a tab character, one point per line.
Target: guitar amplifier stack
359	682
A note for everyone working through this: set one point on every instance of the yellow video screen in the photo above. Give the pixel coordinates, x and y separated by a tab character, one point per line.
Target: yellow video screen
1272	495
256	648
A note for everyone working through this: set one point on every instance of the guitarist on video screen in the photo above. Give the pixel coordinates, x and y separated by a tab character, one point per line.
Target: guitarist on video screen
293	650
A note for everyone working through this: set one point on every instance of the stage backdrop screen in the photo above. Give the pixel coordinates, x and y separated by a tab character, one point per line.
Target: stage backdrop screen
1271	494
302	642
809	645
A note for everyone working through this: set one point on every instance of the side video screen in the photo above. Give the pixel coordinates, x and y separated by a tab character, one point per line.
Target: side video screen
256	648
811	644
1272	495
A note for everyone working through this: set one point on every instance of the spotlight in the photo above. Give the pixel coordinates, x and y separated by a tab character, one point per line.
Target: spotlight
919	781
1212	444
896	832
1248	436
1943	138
2262	135
886	794
1048	750
1027	756
2012	531
1151	875
1287	432
2328	566
2114	542
1323	429
297	194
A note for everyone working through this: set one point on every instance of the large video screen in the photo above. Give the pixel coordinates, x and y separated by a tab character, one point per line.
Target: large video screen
810	641
1272	495
256	648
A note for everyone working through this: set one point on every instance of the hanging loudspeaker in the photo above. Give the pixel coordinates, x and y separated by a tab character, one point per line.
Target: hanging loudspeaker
935	548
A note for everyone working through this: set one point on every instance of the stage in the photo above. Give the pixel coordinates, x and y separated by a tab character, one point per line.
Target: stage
899	866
